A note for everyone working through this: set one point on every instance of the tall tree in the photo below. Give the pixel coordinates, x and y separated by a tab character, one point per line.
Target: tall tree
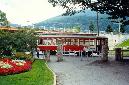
115	8
91	27
109	29
122	29
71	6
3	19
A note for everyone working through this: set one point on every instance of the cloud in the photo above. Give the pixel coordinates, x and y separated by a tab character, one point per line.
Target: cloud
21	11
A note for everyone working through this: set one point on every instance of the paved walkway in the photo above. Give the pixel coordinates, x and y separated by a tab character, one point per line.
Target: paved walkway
72	71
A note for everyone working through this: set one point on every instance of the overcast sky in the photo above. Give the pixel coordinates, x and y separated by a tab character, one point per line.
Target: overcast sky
28	11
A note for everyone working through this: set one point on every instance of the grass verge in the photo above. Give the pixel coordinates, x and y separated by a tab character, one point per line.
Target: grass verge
39	75
124	44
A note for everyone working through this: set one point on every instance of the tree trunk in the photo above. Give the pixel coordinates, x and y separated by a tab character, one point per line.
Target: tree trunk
105	51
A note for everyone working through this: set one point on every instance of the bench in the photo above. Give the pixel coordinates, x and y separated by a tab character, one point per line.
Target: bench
68	53
125	57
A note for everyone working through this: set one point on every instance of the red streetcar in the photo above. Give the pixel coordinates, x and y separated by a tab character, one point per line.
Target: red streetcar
71	42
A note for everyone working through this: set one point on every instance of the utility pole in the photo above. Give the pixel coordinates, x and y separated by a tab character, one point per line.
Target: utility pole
119	23
97	23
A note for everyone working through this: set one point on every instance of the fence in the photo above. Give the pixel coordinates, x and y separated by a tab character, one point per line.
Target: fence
124	54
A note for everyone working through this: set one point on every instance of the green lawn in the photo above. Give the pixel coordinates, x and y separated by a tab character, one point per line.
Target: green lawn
123	44
39	75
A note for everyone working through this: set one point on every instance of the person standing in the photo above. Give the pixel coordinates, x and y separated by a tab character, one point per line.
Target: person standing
47	55
38	52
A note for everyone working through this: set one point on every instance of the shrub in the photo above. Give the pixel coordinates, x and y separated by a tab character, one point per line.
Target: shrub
23	56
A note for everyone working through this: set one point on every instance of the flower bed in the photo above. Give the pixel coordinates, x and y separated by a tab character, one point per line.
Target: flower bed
9	66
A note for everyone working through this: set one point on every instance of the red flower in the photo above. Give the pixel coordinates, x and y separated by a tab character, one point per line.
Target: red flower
15	68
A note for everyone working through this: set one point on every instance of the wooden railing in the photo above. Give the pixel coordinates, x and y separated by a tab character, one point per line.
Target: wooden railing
125	54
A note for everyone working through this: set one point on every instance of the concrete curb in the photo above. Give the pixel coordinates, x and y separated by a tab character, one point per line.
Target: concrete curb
54	83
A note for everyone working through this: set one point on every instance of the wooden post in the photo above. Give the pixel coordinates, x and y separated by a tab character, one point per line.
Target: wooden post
118	54
74	53
78	42
95	44
81	55
64	51
69	52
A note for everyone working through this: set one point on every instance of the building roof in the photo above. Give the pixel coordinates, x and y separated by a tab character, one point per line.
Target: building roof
8	28
82	36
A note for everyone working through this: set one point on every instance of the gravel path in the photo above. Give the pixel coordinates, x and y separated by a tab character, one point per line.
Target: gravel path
72	71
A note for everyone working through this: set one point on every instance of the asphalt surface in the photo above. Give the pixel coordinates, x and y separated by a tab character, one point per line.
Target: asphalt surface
89	71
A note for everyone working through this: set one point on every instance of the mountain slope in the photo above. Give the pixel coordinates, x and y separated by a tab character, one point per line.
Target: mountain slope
14	25
81	19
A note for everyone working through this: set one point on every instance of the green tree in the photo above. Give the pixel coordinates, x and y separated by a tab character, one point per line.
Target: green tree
128	31
109	29
76	29
5	39
115	8
24	40
5	42
3	19
122	29
91	27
